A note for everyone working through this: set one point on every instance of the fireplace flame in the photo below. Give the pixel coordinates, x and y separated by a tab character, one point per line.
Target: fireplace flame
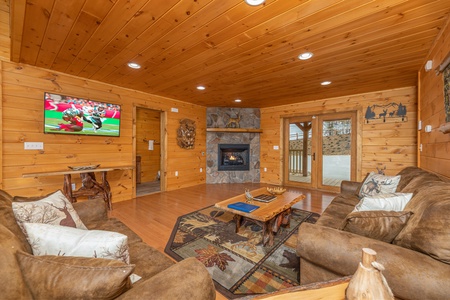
232	157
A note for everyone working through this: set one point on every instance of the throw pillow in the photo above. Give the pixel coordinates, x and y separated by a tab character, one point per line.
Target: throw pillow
394	201
376	184
48	239
380	225
54	209
61	277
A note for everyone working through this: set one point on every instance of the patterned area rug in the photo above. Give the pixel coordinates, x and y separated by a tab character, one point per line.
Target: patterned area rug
238	262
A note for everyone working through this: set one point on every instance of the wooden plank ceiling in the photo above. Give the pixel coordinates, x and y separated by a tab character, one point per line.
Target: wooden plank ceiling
233	49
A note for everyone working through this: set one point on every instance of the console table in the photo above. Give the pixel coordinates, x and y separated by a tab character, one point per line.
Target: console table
90	187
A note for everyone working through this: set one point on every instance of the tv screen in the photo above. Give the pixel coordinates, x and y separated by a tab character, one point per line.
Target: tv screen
71	115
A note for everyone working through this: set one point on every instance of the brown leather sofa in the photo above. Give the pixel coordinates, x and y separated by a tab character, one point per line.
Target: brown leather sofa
21	273
417	261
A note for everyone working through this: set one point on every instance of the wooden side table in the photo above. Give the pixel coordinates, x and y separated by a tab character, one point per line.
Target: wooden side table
90	186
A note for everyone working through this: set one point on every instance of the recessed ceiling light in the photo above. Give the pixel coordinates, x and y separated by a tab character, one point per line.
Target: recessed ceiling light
254	2
238	100
134	65
201	88
326	83
305	56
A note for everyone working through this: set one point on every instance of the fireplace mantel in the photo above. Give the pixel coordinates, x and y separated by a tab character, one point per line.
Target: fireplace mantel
234	130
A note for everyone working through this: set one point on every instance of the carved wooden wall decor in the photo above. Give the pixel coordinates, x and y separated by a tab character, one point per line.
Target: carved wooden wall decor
186	134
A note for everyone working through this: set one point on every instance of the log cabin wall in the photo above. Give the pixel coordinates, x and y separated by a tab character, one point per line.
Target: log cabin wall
23	88
435	155
390	145
148	128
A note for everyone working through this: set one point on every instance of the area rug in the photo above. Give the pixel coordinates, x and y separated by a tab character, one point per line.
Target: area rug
238	263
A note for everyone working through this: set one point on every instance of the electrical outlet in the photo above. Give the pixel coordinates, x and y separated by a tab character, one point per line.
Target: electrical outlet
33	145
176	173
74	186
174	109
201	170
276	148
265	169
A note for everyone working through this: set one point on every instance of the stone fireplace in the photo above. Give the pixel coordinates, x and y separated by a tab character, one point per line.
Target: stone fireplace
233	157
243	136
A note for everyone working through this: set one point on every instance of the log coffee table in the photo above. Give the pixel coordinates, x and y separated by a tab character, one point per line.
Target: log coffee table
269	215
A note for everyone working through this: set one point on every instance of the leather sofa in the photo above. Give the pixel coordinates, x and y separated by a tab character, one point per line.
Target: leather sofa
416	261
21	273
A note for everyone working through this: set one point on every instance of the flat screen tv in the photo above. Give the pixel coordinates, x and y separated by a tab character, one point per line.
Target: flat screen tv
71	115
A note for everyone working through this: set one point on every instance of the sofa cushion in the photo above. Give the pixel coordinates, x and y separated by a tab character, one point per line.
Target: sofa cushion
428	229
375	184
13	286
115	225
380	225
387	202
8	219
339	208
420	180
432	233
407	174
60	277
54	209
48	239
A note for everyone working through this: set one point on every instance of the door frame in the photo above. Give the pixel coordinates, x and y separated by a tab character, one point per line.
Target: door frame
314	116
163	145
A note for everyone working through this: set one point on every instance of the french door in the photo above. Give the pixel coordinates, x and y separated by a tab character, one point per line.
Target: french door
320	150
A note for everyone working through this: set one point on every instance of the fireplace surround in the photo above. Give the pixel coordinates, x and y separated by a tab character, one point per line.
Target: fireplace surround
217	119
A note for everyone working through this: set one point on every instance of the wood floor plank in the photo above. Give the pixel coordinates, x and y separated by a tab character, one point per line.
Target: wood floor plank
153	216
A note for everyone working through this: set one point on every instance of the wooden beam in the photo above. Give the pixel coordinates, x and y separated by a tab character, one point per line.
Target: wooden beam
17	18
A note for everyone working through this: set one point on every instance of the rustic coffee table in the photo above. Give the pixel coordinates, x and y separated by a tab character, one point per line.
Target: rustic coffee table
269	215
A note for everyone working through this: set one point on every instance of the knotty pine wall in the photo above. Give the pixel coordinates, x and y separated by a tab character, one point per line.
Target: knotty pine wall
435	155
393	145
23	88
148	128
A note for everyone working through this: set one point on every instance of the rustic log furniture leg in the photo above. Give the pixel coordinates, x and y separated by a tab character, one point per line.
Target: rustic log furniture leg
237	219
67	188
106	191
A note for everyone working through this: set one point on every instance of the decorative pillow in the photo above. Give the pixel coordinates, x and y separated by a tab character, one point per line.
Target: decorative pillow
54	209
376	184
48	239
61	277
380	225
394	201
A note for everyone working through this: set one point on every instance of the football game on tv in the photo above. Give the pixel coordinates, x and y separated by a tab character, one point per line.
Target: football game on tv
71	115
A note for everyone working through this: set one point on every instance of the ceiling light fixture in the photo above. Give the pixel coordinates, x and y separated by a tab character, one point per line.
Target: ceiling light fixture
254	2
326	83
305	56
201	88
238	100
134	65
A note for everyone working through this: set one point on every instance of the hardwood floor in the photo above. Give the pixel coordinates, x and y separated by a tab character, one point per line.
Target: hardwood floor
153	216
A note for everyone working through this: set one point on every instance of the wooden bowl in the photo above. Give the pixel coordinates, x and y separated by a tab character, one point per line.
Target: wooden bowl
276	190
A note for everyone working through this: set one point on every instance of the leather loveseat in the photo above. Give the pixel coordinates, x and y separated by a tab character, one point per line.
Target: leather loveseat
22	274
416	261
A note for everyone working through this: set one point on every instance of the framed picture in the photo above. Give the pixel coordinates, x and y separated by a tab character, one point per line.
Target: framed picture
447	93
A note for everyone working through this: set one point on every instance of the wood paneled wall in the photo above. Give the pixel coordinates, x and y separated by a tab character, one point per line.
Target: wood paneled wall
148	128
435	155
23	89
393	145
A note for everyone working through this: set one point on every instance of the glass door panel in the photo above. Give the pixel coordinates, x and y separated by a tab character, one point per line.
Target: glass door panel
299	151
336	151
